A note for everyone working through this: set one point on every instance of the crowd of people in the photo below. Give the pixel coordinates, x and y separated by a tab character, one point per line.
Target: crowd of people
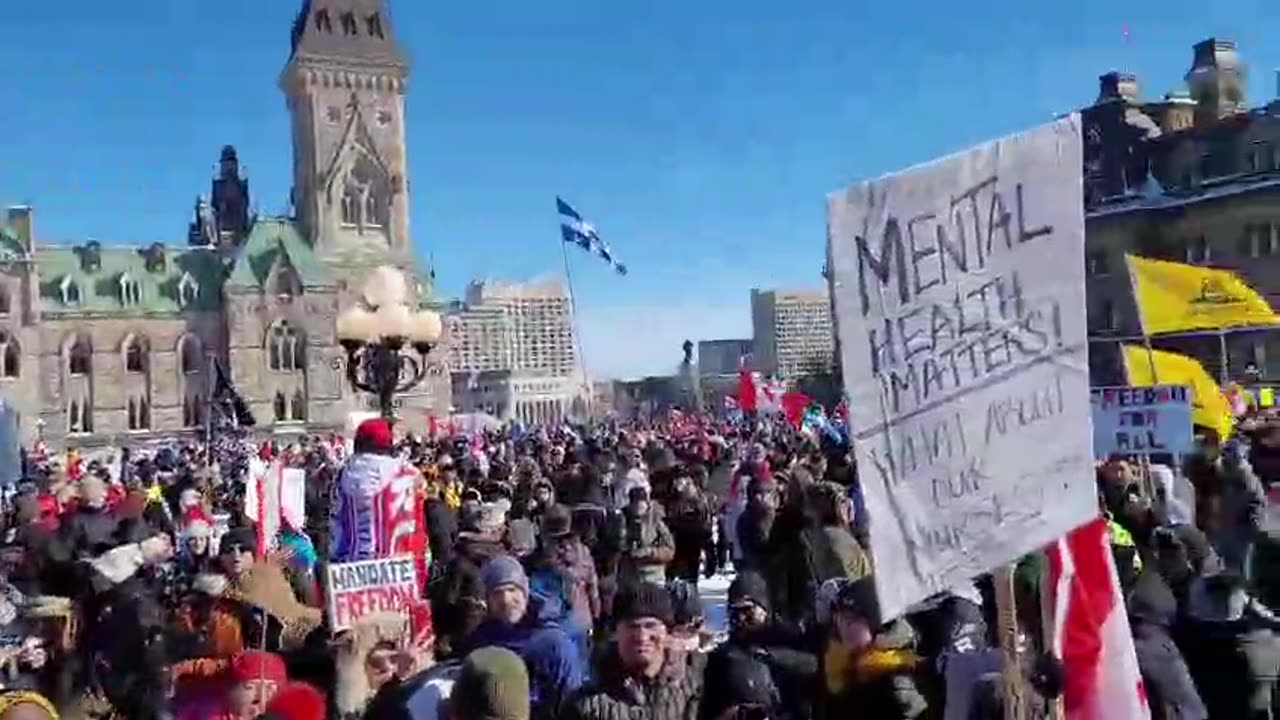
564	576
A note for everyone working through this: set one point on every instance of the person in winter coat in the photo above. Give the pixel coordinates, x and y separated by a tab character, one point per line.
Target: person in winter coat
645	541
91	528
689	518
868	669
755	525
457	594
516	621
641	676
786	672
1171	693
564	553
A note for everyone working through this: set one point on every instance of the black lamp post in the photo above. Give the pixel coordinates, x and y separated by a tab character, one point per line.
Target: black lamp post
375	333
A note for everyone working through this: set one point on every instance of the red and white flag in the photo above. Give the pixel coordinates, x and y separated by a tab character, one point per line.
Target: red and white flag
757	395
1091	630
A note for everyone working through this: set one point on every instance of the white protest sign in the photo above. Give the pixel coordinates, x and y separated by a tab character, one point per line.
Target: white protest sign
959	298
357	589
1141	420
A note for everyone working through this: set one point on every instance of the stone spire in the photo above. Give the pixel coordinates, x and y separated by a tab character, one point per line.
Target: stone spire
346	30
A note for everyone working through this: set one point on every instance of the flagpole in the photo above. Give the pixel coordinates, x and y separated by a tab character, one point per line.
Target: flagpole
1224	376
577	330
1142	325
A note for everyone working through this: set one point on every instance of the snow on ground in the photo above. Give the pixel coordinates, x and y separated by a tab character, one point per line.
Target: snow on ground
714	592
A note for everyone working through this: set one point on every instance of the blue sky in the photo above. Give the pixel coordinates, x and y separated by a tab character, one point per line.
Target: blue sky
700	137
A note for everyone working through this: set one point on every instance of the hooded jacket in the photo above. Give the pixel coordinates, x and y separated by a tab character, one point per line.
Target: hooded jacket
555	665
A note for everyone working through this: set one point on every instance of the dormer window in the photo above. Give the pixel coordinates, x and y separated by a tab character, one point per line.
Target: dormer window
70	290
374	22
91	256
153	257
323	22
188	290
349	26
130	291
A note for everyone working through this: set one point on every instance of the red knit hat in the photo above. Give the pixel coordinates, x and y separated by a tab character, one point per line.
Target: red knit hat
297	701
374	434
256	665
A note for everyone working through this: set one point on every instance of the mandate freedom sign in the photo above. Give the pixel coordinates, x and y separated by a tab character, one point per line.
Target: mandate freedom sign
1141	420
357	589
959	298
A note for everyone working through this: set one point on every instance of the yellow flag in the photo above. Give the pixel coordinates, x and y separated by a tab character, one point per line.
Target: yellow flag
1173	297
1161	367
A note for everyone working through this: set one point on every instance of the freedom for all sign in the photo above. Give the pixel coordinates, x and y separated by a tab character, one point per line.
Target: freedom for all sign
959	301
357	589
1141	420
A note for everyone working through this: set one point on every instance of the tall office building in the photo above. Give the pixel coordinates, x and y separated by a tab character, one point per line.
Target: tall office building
793	333
512	352
542	321
480	338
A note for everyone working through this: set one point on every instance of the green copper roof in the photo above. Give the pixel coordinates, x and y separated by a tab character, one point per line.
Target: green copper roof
10	245
270	241
72	281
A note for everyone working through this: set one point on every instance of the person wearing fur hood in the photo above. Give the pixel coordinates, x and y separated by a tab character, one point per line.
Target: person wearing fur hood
247	603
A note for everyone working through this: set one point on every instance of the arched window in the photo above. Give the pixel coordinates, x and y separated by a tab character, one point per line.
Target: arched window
4	301
79	416
299	406
368	189
285	348
192	411
10	356
287	282
279	407
190	355
372	215
70	290
188	290
351	206
139	414
135	354
130	291
80	356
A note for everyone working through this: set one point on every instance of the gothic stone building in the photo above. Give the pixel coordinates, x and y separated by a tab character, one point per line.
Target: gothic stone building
118	344
1193	177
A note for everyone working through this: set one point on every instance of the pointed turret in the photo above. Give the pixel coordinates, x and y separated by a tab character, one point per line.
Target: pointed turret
346	30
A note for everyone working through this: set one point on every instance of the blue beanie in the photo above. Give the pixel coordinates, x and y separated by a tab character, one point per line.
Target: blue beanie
503	570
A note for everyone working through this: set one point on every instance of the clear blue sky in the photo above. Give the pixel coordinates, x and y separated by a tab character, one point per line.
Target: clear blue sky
701	137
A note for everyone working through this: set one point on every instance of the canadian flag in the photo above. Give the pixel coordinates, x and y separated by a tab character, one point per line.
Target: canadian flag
756	395
1091	630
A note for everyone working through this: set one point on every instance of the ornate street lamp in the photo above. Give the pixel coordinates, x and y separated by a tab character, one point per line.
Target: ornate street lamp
374	332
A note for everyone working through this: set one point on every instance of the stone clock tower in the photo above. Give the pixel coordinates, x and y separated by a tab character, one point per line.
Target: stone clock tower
345	83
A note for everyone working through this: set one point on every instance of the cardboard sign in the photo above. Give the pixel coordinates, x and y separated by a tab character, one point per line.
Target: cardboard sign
357	589
1141	420
960	308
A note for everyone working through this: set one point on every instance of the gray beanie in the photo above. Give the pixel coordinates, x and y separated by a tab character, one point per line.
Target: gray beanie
503	570
492	685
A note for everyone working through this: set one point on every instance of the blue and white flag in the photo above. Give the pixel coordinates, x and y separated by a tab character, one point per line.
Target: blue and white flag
573	229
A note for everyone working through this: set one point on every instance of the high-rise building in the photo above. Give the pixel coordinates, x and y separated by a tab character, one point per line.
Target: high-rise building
793	333
542	320
481	338
512	352
723	357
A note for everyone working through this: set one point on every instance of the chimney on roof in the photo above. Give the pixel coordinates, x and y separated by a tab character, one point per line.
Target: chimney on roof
1119	86
1217	80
